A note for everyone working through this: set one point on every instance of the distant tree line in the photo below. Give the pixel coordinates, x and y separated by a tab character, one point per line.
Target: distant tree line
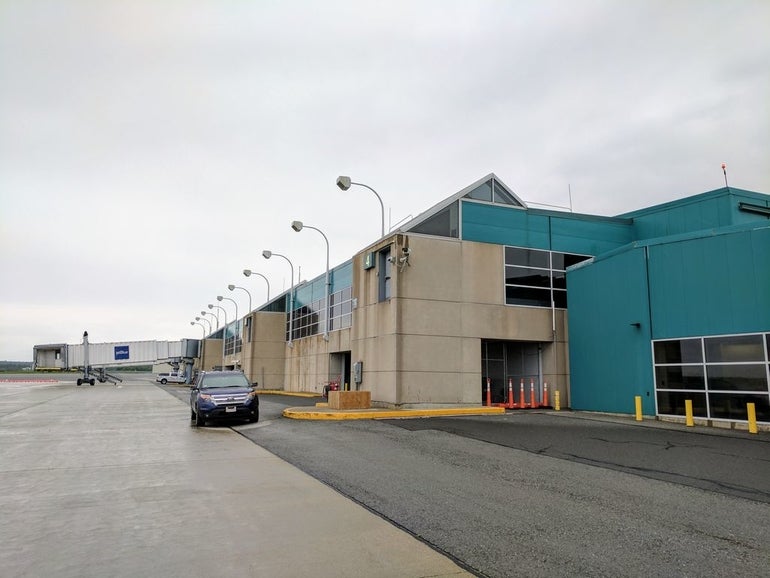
15	366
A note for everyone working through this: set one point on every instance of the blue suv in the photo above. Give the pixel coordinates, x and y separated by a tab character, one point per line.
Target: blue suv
223	394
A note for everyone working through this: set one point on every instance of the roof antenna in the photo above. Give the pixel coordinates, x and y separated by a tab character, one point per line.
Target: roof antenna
569	189
724	170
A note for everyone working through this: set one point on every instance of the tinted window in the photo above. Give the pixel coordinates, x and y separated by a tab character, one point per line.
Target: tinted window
482	193
678	351
527	257
528	296
523	276
225	380
734	348
445	223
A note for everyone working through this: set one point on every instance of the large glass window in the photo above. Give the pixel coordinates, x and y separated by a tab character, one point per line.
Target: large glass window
492	191
537	278
720	374
735	348
445	223
678	351
309	319
233	339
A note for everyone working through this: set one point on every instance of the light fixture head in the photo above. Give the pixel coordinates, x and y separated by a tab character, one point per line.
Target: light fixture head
267	254
203	313
197	319
231	287
192	322
210	306
219	298
296	225
343	183
246	272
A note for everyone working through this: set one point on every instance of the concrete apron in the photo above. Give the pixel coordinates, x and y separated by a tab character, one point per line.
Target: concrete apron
114	481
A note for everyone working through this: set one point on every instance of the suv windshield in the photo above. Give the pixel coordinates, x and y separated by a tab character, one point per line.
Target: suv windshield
235	380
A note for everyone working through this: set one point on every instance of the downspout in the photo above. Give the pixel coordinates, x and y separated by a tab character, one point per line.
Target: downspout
396	302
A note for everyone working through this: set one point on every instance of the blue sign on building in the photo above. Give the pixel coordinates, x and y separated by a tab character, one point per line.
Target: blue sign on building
121	352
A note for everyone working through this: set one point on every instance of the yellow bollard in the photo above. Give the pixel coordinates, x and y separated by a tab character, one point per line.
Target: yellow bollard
752	411
638	402
688	413
556	404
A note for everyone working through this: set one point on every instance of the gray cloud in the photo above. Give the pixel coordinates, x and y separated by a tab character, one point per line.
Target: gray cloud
149	152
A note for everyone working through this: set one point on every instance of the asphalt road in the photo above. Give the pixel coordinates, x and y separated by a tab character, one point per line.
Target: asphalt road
544	494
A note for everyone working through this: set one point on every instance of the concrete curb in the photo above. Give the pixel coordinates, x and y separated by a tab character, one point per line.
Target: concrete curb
340	415
282	392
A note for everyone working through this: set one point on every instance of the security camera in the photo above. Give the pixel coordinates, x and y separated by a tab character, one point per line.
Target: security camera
406	250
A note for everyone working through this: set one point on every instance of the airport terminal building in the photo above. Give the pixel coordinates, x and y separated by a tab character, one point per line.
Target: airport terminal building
670	302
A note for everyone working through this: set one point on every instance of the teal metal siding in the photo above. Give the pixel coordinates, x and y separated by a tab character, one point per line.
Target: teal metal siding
542	229
504	226
711	285
610	357
706	211
587	237
707	214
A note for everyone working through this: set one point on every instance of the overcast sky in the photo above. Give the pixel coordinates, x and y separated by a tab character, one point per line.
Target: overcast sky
149	151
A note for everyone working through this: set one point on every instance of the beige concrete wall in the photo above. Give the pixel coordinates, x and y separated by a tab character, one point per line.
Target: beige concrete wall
423	346
211	355
264	358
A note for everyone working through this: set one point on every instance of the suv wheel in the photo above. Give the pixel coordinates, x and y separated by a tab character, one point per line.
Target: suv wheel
200	421
164	381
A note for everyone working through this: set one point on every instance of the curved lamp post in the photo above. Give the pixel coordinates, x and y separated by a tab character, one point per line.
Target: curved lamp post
203	341
267	254
220	298
249	272
233	287
224	330
344	183
202	326
214	316
207	322
298	226
237	331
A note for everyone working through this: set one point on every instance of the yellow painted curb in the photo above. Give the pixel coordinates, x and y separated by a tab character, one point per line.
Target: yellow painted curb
304	413
292	393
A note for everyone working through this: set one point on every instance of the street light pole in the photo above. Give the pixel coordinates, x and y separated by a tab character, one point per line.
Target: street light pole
232	287
344	183
298	226
237	329
267	254
206	320
248	272
214	316
224	330
203	327
220	298
203	341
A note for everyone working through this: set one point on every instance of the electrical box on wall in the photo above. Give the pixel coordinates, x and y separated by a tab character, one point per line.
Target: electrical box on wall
358	371
370	260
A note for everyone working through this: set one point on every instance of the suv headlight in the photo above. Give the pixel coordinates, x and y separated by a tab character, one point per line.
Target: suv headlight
205	397
251	395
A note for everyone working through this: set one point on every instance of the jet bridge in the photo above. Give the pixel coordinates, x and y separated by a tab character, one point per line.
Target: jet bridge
92	358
